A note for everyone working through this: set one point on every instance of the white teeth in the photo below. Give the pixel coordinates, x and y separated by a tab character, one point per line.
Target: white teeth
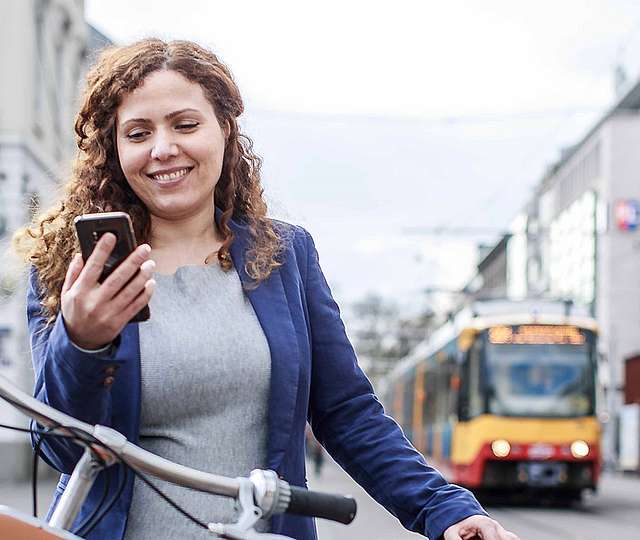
169	177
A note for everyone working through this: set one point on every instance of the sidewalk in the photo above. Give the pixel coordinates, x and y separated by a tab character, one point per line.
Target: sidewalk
372	521
18	495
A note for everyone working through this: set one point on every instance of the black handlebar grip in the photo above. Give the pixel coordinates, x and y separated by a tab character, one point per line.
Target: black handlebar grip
323	505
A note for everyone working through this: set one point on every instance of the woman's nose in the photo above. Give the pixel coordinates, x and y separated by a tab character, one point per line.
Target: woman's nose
164	148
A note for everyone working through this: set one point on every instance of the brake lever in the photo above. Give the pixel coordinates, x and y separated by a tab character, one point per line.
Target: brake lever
250	514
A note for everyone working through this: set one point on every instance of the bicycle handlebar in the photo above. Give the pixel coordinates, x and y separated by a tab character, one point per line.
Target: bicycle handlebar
133	455
43	414
323	505
302	502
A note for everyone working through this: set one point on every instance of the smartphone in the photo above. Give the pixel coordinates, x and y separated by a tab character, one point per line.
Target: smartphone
90	227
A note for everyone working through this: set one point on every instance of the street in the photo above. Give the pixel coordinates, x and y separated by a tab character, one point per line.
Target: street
613	513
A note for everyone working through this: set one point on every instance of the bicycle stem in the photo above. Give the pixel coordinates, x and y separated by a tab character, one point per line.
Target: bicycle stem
81	481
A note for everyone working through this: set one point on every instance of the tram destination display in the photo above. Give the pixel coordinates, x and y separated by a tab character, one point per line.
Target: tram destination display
536	334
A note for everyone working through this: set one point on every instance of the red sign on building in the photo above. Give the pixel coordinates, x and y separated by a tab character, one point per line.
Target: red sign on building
626	213
632	380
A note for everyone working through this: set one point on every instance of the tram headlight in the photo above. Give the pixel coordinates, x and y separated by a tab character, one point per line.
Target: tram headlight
579	449
500	448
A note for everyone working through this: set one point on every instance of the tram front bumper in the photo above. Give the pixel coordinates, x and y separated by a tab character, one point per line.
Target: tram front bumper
538	474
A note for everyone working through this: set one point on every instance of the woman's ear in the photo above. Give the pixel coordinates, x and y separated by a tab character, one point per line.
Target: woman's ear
226	128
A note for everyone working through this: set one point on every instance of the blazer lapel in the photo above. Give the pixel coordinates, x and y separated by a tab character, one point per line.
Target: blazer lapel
270	304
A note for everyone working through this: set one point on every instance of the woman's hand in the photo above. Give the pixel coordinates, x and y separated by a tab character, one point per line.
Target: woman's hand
478	527
95	313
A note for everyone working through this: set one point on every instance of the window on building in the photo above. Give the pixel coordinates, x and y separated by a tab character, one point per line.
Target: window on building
4	218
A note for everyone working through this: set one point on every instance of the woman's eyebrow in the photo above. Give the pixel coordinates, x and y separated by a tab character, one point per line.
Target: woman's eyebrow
176	113
169	116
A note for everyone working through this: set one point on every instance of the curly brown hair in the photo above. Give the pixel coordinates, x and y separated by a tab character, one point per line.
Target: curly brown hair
97	183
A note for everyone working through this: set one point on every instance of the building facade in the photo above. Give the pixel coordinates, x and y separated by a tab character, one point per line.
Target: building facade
46	46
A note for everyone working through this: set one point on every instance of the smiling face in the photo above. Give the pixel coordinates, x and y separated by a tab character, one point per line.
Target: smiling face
170	145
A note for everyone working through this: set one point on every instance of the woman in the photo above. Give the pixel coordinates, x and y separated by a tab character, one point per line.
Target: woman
245	342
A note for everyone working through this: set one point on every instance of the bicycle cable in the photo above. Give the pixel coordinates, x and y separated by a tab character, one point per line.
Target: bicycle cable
34	476
89	439
44	433
143	478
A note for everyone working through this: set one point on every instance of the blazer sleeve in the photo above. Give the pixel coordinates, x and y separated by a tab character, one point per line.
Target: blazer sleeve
350	422
66	378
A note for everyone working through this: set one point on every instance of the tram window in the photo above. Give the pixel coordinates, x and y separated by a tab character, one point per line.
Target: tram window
409	394
463	392
542	380
429	410
474	374
443	394
452	389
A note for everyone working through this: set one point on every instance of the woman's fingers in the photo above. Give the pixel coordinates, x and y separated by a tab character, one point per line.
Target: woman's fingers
96	313
95	263
121	276
140	301
478	526
134	287
75	267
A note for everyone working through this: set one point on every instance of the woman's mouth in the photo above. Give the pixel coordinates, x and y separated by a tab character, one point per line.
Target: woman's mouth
170	177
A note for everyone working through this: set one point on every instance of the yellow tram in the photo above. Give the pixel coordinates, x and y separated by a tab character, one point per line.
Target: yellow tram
504	397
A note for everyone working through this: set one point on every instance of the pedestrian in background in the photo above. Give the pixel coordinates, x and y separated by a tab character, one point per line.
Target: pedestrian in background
245	342
315	453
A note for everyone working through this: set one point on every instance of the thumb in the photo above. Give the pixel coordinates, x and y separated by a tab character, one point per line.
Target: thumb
452	533
75	267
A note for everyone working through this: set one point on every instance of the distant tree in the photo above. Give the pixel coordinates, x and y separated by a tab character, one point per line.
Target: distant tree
413	330
383	334
374	318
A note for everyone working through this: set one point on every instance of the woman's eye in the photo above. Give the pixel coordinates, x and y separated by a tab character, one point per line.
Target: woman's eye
187	125
137	135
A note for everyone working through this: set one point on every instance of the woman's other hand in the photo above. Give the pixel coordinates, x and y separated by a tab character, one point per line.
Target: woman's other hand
478	527
95	313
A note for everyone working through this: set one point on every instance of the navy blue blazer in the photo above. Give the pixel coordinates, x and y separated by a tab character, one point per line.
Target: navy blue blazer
314	376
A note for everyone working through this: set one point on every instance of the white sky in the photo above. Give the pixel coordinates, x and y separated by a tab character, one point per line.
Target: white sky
376	116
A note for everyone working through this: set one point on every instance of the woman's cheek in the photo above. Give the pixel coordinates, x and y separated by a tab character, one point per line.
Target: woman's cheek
131	157
132	164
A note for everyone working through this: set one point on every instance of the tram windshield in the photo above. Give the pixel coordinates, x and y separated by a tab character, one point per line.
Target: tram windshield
540	380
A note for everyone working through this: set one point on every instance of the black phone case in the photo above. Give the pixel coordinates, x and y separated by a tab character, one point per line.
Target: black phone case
90	227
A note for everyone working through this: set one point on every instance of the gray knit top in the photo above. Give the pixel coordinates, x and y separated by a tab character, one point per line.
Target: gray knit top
205	371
